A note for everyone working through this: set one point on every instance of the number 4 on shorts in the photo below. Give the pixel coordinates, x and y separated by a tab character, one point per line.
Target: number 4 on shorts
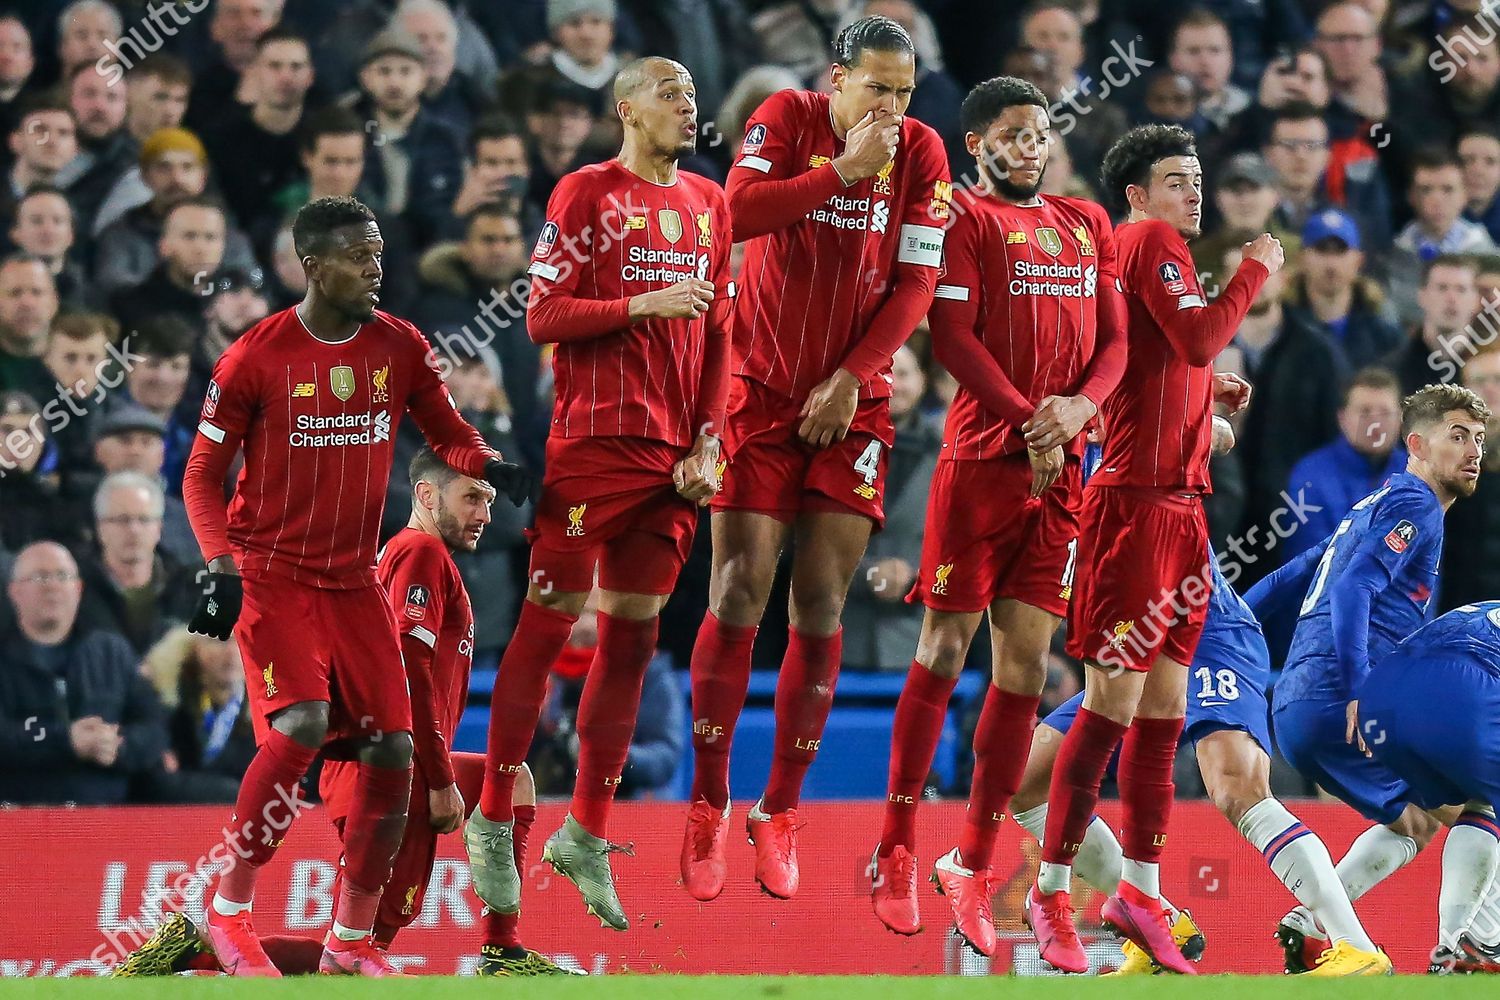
868	462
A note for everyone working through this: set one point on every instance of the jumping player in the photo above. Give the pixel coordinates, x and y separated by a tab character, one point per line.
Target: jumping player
842	199
1029	318
427	595
1364	590
631	282
315	395
1142	540
1227	725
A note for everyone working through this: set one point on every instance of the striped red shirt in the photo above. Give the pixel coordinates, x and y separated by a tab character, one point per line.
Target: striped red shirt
810	289
611	235
318	423
1158	424
1026	282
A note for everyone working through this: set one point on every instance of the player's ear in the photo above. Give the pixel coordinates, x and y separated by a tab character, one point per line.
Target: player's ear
836	76
622	108
974	143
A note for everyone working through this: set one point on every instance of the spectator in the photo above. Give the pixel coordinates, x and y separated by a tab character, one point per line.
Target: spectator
715	38
131	438
1456	89
1256	29
28	480
1060	177
84	29
1050	57
1448	300
1294	78
747	94
1479	153
43	228
413	159
237	303
1470	570
77	719
174	165
131	586
221	78
1436	196
1245	196
938	96
331	148
1297	375
880	628
656	748
1171	99
454	97
1055	28
77	349
559	125
1348	36
496	170
468	287
16	62
28	304
43	142
798	34
282	73
1332	293
157	381
1488	281
1202	50
201	684
190	252
156	96
106	151
1297	148
1327	482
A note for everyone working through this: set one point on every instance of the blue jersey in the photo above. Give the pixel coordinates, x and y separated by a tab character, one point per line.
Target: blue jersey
1371	588
1473	629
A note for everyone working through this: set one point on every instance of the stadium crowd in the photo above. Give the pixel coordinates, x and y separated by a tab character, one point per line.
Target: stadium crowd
156	153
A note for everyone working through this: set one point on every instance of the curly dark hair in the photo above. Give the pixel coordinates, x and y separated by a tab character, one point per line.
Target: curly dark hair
874	32
313	228
1130	159
988	99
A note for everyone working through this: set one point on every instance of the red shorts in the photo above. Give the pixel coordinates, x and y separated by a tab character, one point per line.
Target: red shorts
1143	583
986	539
609	504
401	902
772	471
303	643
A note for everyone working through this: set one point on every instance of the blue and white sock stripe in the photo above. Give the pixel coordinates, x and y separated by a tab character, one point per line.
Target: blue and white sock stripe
1294	832
1480	821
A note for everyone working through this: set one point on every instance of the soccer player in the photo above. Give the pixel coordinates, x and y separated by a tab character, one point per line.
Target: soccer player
1430	708
315	394
1142	537
1226	723
1030	320
436	625
1370	586
842	199
631	282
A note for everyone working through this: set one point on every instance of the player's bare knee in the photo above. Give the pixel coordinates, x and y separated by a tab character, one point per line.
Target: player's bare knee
306	722
525	792
744	587
1234	792
944	644
631	607
569	602
816	614
1020	672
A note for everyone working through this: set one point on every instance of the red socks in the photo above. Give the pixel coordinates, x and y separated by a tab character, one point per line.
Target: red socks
516	704
1146	787
372	835
606	715
1002	742
1076	777
721	679
503	930
915	732
263	811
804	697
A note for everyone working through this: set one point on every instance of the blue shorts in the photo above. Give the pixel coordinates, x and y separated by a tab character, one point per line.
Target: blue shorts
1310	735
1226	691
1432	720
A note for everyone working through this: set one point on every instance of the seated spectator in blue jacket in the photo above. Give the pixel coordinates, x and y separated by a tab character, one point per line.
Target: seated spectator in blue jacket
1367	451
78	721
201	682
1479	154
1332	292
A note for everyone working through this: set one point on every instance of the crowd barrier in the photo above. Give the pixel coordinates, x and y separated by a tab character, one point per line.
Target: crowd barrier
82	883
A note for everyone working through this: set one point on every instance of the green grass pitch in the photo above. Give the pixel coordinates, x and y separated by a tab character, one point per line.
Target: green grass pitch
627	987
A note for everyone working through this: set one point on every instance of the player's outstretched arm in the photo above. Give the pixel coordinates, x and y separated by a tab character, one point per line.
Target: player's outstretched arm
1287	584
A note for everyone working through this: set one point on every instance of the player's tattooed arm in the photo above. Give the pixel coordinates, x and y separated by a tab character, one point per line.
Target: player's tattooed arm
1223	436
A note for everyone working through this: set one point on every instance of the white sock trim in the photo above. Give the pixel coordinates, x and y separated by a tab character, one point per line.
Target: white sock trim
348	933
228	907
1052	878
1144	875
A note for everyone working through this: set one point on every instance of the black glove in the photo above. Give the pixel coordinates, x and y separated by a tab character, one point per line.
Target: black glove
219	606
514	481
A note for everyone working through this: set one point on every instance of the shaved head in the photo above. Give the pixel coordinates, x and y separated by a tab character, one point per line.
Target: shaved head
646	72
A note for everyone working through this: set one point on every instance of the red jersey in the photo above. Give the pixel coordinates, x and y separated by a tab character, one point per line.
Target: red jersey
318	422
1157	425
611	235
1026	284
432	607
823	259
